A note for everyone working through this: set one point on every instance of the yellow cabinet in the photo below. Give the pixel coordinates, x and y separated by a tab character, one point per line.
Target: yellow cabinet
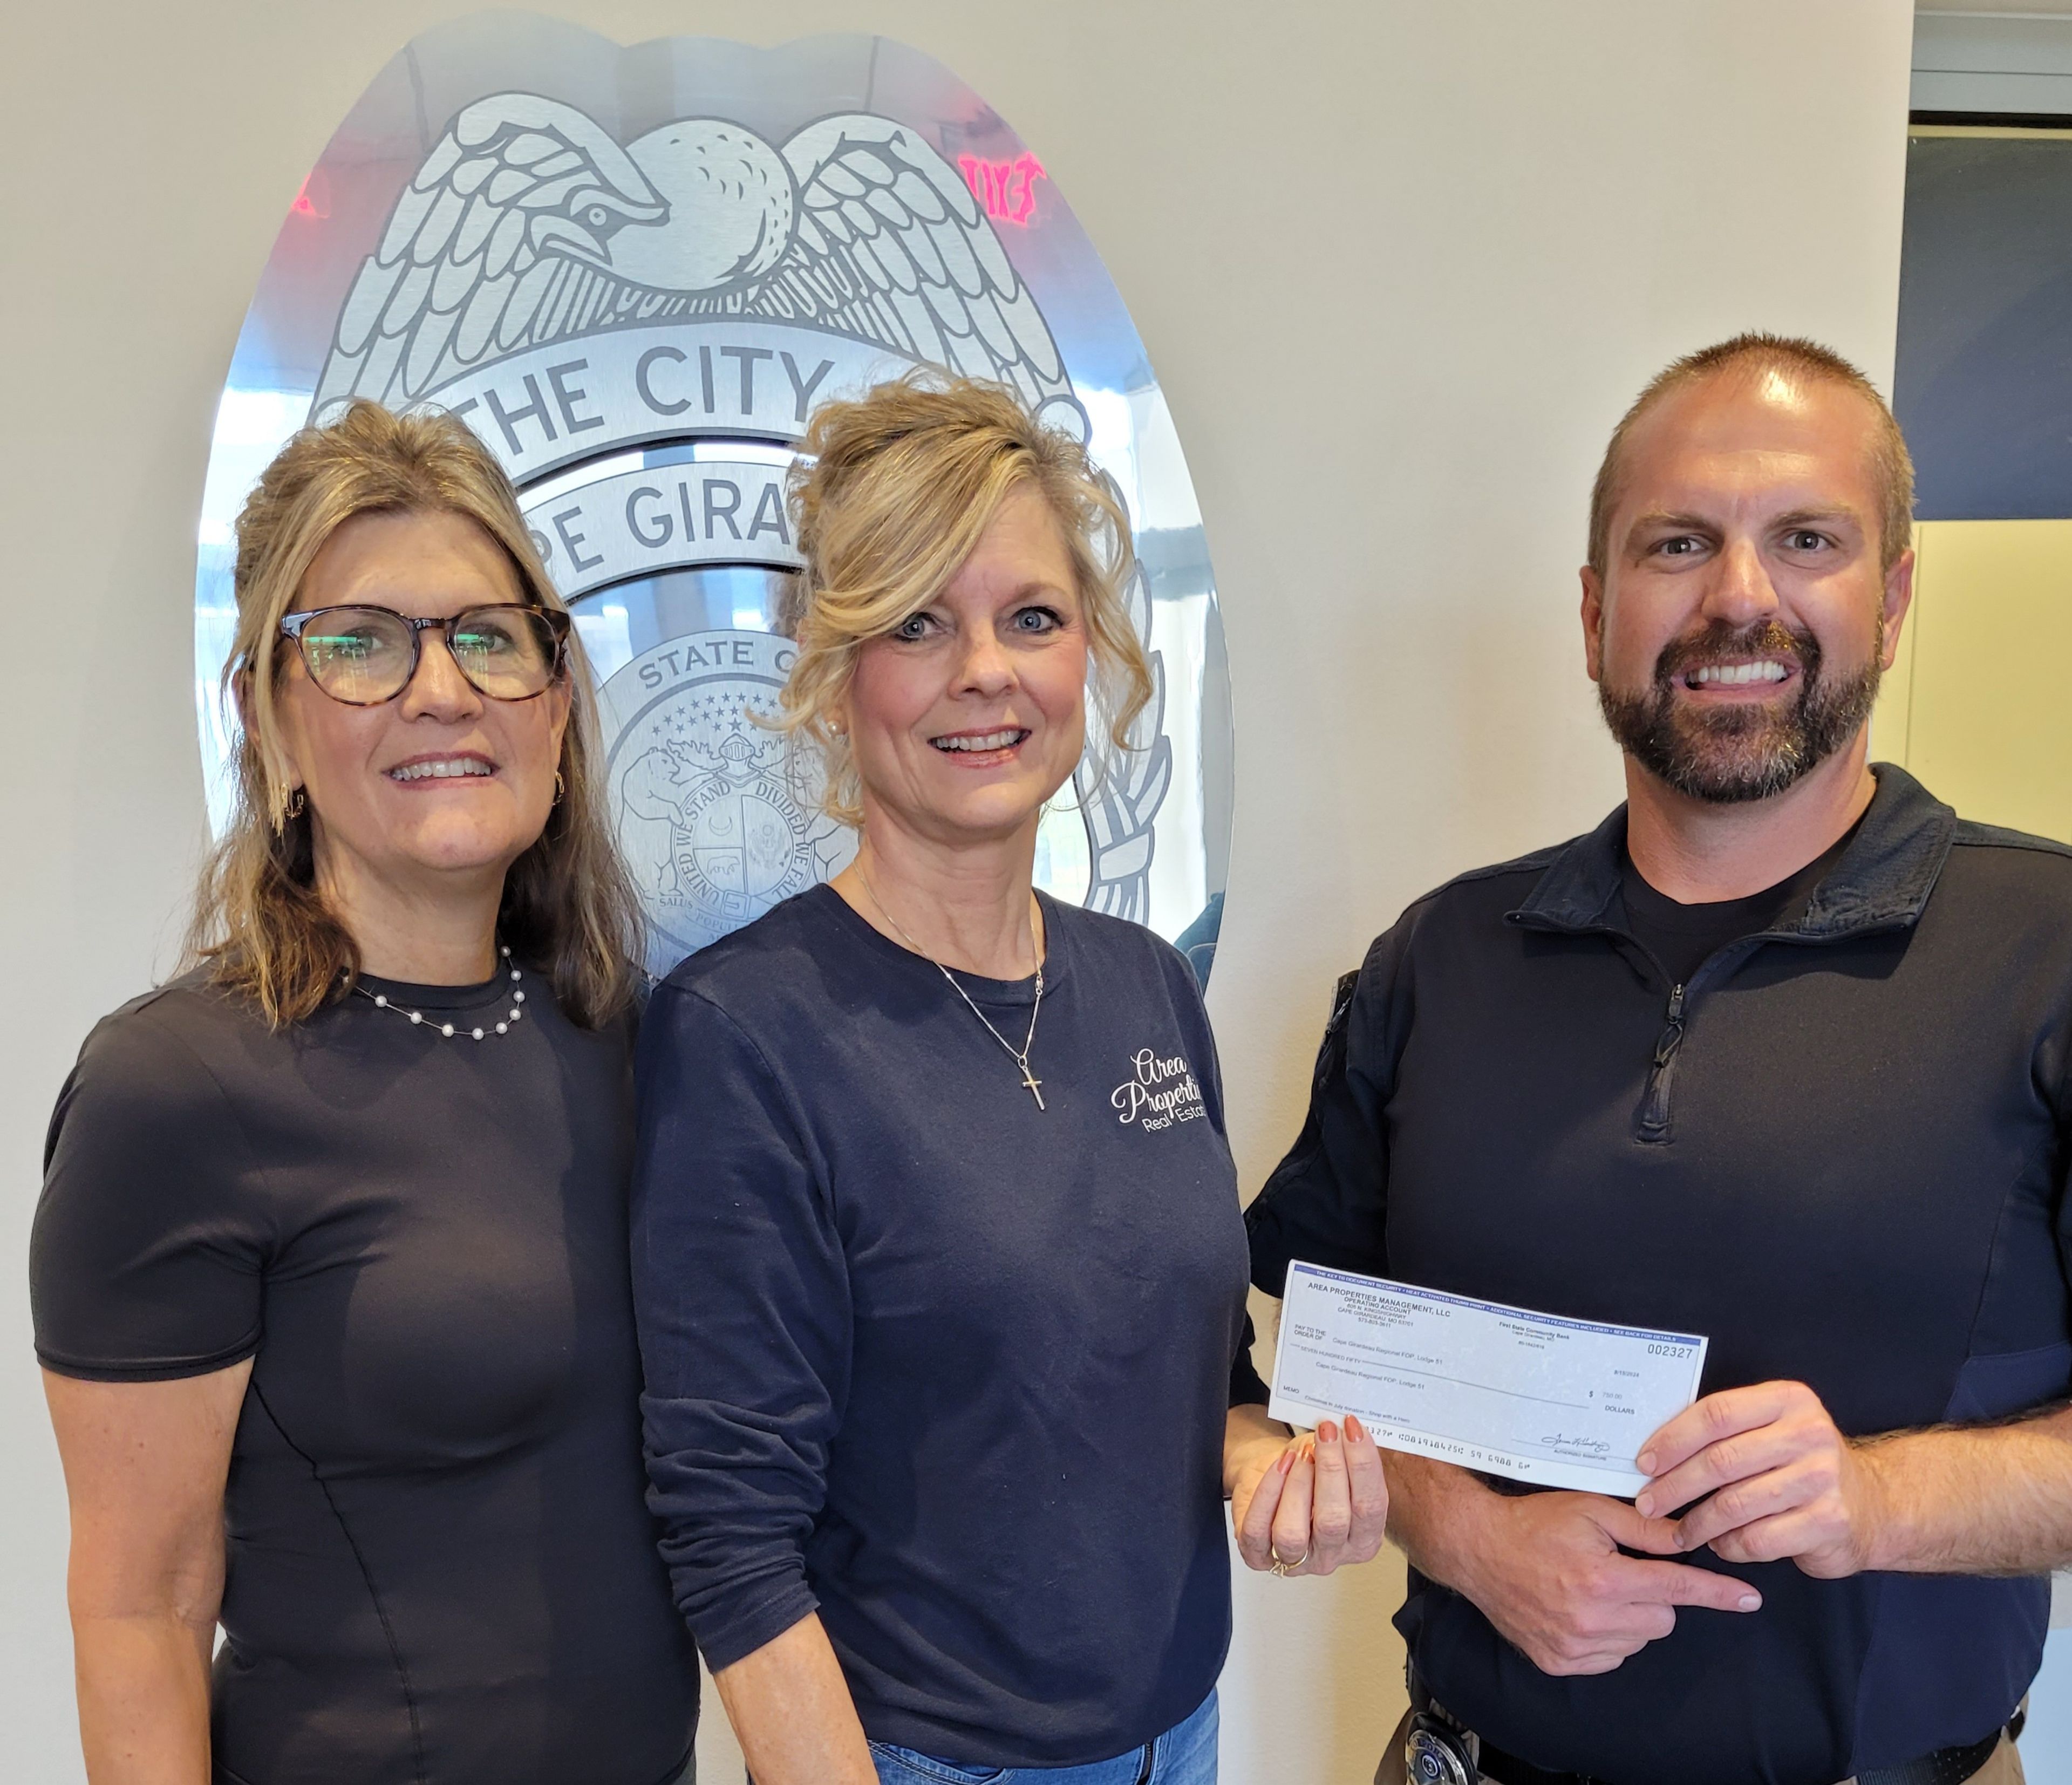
1979	704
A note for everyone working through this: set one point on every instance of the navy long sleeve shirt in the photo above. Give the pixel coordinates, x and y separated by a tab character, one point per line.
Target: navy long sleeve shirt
947	1368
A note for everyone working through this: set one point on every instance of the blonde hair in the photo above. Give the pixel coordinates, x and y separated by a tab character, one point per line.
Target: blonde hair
1751	356
891	497
260	925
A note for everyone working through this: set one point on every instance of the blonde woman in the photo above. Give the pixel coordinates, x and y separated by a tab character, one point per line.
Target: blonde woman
937	1251
329	1271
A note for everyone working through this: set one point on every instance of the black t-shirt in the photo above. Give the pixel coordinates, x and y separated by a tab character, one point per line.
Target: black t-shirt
441	1568
1683	938
947	1368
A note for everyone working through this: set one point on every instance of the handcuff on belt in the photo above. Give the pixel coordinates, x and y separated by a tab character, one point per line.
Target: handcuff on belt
1440	1750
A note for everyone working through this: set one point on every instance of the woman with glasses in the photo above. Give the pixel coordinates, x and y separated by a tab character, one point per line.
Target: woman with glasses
329	1273
938	1258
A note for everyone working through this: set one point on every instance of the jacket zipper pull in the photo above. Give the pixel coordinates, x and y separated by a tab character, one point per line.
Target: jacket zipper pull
1674	1034
1654	1106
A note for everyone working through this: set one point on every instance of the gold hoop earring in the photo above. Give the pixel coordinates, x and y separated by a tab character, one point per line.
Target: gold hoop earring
296	803
561	786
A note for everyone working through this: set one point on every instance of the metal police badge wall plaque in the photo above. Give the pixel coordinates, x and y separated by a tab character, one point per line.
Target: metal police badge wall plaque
635	272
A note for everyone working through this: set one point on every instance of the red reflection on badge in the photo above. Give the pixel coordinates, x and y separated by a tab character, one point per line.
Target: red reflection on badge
313	200
1006	189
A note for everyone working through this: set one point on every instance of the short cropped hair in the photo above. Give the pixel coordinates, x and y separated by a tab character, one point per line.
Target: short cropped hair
1753	356
260	925
892	495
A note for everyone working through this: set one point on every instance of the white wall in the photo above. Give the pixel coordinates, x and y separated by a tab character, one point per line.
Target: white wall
1398	266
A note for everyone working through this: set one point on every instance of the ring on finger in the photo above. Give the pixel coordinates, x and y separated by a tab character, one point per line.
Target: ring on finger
1282	1567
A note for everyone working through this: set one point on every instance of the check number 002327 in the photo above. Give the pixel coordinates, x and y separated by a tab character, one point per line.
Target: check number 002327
1535	1397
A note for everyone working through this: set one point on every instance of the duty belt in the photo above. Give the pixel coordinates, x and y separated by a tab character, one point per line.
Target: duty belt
1440	1749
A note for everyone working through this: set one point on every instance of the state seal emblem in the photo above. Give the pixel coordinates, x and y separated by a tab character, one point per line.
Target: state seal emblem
634	273
713	821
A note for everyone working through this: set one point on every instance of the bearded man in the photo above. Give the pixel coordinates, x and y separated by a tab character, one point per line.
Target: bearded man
1779	1054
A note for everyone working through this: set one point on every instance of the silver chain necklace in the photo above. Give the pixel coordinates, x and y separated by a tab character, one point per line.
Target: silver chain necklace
1030	1082
381	1000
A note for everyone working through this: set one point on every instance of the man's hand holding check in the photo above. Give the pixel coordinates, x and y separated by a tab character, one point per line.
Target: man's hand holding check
1454	1388
1766	1477
1549	1570
1762	1475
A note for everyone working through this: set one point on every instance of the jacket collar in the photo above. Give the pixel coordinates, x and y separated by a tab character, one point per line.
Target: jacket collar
1882	881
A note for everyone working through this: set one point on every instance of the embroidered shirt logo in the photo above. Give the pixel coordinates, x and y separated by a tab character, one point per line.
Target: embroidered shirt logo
1158	1093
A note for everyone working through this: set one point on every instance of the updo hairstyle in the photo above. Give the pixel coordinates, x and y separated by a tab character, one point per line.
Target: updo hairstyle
890	498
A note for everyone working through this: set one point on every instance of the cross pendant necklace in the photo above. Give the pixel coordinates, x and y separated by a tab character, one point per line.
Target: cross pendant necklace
1030	1082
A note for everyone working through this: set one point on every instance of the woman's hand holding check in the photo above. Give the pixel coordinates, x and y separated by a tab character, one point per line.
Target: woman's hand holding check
1303	1504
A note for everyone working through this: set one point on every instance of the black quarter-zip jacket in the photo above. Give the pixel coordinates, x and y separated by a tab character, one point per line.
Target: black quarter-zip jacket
1839	1151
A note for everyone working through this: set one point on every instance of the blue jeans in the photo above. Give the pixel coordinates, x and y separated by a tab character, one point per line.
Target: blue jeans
1185	1754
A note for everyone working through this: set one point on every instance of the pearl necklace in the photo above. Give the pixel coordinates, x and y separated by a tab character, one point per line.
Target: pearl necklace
446	1029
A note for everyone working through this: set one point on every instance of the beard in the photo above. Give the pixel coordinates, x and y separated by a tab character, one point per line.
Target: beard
1745	752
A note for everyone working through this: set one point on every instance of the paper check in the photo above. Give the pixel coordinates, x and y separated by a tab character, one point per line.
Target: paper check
1559	1403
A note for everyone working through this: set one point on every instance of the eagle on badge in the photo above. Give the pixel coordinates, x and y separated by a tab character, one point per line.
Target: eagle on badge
528	222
